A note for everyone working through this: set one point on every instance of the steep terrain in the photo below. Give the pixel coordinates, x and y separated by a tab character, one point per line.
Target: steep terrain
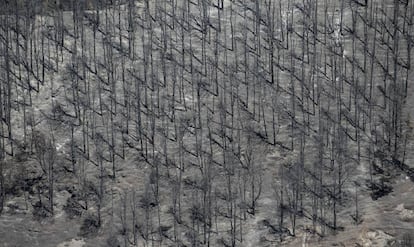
208	123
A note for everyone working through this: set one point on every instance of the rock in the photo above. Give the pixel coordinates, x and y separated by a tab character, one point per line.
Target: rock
405	214
72	243
375	238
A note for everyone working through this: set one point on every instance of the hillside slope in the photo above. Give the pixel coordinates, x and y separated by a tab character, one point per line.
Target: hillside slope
208	123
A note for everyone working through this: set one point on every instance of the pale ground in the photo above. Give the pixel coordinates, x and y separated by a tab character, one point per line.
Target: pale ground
383	219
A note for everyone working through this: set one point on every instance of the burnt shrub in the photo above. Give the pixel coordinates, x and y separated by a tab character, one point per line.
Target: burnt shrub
113	241
90	226
40	211
379	189
73	208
